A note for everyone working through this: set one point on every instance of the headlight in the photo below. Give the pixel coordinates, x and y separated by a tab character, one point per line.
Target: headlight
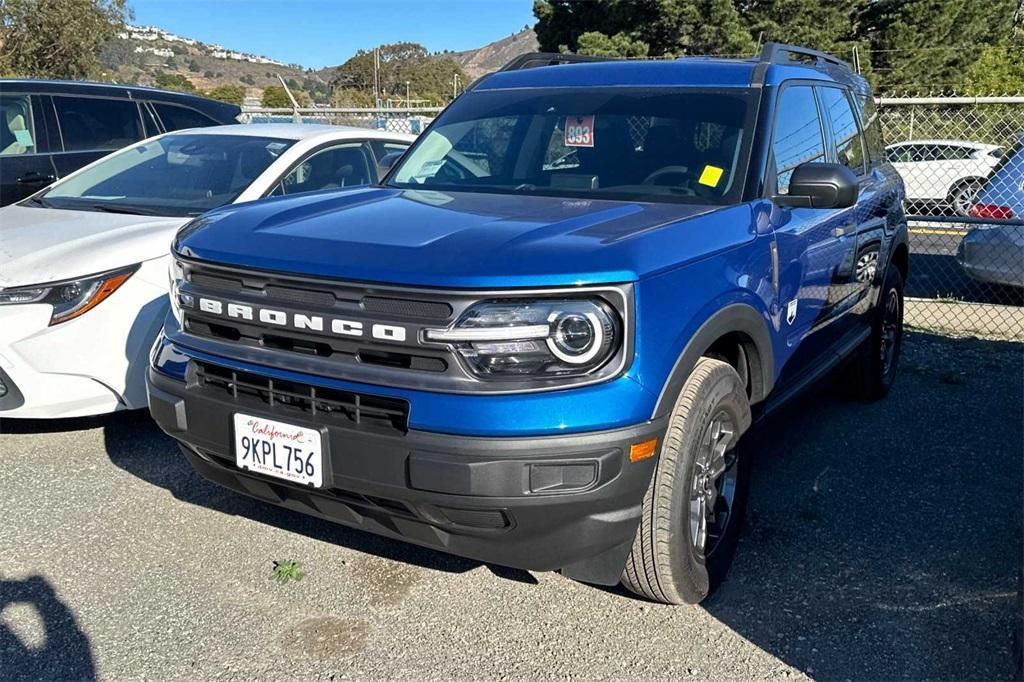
534	338
70	298
175	277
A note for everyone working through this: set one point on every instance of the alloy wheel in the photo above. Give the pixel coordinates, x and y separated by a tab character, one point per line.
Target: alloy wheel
713	492
891	327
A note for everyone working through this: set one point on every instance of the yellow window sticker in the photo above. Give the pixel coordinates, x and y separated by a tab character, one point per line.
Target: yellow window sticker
710	176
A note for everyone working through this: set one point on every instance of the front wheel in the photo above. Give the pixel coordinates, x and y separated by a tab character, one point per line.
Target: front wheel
697	496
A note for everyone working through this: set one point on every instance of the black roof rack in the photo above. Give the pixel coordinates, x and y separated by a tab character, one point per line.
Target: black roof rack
781	53
535	59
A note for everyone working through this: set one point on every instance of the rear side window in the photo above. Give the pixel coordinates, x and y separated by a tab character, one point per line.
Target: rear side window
88	123
798	138
382	148
872	127
846	138
17	135
955	153
175	117
343	165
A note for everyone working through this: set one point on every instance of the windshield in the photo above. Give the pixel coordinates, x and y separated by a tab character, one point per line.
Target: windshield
175	175
657	144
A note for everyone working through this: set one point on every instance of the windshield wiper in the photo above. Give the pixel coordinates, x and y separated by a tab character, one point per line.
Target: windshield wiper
39	201
119	208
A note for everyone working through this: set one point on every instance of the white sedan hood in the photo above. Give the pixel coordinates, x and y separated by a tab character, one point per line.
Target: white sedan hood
39	245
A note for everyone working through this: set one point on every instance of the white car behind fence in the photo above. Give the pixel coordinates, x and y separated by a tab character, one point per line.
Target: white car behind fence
944	171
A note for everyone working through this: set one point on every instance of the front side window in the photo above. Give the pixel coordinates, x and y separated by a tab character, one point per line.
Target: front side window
846	138
92	123
658	144
336	167
17	134
798	137
175	117
175	175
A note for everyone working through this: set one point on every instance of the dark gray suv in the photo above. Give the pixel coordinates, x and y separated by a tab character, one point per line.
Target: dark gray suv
51	128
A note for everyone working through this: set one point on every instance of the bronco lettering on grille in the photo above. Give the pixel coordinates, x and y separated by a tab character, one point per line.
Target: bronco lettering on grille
301	321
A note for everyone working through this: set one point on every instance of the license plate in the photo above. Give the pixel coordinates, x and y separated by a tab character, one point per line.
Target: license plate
286	451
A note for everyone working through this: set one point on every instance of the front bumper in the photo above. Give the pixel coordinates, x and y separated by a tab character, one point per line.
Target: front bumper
568	502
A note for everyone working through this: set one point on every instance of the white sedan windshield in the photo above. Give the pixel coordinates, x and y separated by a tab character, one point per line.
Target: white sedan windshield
175	175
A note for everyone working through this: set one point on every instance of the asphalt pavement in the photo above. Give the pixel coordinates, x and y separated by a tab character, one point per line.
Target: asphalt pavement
936	274
882	541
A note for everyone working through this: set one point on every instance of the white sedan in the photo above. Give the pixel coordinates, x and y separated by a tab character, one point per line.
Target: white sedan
83	264
948	171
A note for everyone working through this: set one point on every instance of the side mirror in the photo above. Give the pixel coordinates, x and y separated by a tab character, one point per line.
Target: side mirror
820	185
389	160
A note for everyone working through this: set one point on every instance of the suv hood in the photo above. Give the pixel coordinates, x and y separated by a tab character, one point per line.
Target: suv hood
39	245
442	239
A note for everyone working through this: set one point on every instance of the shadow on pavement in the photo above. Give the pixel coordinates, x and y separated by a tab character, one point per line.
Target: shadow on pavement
136	444
884	540
62	651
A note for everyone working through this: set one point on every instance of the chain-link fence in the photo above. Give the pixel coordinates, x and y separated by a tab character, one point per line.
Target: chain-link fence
963	169
410	120
962	165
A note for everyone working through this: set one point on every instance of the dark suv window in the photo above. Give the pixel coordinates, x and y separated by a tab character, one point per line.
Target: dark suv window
175	117
16	130
88	123
798	138
846	138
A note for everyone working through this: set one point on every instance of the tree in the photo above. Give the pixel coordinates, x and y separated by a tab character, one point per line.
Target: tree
233	94
999	70
350	97
667	27
274	96
827	25
916	45
619	45
58	38
924	45
173	81
428	76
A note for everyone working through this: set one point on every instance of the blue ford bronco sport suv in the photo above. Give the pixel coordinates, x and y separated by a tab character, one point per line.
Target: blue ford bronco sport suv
538	341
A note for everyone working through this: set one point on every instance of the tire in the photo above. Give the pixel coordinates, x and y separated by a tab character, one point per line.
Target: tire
666	563
874	371
961	198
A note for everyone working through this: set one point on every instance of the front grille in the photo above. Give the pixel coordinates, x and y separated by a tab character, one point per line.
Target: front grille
331	405
326	301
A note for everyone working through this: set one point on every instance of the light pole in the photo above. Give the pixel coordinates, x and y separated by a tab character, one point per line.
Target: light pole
408	101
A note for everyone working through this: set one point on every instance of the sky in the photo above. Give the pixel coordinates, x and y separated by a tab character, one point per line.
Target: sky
318	33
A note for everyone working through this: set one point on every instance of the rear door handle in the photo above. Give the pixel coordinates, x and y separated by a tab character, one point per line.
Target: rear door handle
33	178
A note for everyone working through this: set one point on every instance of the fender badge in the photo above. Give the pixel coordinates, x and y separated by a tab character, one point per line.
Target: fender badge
791	312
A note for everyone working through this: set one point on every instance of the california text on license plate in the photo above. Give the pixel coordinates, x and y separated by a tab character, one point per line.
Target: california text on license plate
294	453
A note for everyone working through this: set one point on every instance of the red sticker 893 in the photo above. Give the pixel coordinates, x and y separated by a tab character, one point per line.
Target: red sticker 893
579	131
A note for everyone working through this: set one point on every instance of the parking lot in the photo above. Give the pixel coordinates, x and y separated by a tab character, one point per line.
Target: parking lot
882	541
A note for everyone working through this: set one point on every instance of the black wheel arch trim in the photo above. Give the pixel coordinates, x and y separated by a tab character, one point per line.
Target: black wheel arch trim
734	318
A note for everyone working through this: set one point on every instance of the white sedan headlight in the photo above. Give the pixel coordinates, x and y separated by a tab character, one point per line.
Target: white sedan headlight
70	298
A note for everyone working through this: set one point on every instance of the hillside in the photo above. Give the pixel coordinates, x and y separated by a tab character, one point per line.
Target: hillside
140	52
494	55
